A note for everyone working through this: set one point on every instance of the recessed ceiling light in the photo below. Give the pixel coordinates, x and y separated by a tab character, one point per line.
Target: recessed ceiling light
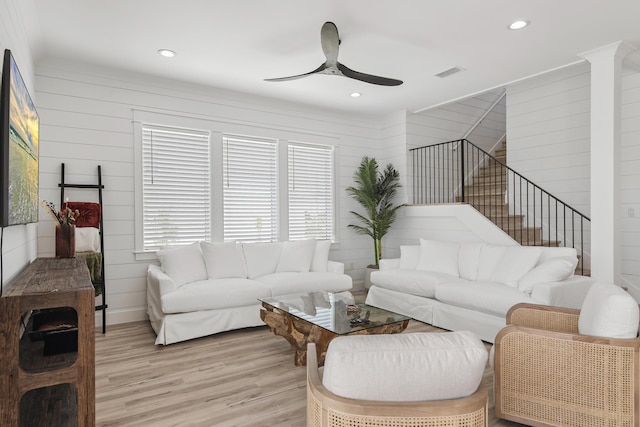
518	25
166	53
355	94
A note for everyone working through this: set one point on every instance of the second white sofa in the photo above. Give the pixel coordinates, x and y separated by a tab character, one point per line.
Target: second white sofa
471	286
206	288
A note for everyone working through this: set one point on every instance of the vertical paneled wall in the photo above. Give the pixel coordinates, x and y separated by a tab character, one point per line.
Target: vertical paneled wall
630	181
86	114
19	241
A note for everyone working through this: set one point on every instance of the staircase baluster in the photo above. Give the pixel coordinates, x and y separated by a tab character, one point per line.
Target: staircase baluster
440	175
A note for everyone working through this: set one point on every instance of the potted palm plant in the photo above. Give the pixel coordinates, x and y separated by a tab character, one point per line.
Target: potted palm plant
374	190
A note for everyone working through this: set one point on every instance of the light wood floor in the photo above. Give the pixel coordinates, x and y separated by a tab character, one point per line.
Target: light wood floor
237	378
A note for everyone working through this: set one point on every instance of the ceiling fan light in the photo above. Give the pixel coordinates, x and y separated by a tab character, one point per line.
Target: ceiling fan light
518	25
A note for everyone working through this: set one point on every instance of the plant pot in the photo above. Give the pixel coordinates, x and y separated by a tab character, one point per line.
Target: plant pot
65	241
367	275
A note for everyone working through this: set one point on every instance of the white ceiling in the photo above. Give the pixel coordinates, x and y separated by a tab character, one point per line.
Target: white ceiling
234	45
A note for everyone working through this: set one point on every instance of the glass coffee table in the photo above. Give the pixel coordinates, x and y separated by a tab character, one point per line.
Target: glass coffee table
319	317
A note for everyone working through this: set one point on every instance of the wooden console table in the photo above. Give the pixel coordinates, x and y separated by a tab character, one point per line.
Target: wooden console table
30	381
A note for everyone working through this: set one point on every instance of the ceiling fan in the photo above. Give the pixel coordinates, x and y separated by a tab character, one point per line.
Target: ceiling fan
330	45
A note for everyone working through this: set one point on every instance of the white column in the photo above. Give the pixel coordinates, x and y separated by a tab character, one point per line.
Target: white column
606	247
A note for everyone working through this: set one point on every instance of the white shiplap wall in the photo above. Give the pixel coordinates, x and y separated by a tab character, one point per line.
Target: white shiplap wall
19	241
630	181
86	114
548	133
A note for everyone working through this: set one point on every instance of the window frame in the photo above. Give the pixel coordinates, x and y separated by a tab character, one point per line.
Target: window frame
218	128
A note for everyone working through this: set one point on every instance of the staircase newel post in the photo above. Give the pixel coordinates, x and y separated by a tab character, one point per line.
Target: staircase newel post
462	175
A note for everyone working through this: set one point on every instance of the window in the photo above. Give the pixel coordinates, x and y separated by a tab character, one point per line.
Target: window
195	181
176	186
310	175
250	188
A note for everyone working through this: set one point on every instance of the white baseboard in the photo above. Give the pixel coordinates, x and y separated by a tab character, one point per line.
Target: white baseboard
125	315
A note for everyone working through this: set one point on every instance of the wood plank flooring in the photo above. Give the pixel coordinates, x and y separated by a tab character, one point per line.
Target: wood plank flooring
238	378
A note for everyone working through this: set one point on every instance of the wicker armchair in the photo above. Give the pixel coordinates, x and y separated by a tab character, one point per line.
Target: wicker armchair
547	374
327	409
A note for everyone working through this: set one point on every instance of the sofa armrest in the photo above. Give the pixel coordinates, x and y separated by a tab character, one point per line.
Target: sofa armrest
544	317
389	264
566	293
335	267
159	282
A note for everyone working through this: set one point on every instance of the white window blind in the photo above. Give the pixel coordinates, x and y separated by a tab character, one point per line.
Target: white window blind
176	186
310	192
250	189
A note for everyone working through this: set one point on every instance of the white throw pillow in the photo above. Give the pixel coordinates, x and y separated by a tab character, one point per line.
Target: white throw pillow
296	256
320	258
490	258
409	257
549	253
183	264
441	257
553	270
405	367
609	311
261	258
223	260
469	260
516	262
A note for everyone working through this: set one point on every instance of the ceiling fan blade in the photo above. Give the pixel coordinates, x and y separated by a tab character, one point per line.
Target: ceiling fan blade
299	76
330	41
367	78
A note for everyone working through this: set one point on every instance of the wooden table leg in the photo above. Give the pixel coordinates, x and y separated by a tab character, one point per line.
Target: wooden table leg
299	332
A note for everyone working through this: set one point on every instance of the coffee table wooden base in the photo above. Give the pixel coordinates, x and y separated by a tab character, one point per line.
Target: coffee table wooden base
300	332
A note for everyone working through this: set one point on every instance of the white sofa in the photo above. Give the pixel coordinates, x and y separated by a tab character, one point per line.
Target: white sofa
205	288
471	286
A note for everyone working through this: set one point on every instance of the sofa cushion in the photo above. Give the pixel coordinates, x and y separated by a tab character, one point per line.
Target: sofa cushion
296	256
487	297
213	294
490	258
223	260
405	367
261	258
320	259
288	283
409	256
183	264
441	257
413	282
469	260
516	261
553	270
506	264
609	311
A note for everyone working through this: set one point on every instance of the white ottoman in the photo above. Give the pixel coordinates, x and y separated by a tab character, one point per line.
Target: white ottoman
405	367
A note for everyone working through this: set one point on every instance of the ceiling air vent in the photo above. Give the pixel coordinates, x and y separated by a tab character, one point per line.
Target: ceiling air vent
447	73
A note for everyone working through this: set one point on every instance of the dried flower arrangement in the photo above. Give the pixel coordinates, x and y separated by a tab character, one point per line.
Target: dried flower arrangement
64	216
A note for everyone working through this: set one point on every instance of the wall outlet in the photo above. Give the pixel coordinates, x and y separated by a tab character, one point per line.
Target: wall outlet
631	212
